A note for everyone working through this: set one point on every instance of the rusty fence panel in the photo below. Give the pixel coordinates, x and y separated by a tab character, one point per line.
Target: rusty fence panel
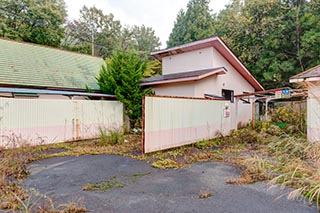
170	122
40	121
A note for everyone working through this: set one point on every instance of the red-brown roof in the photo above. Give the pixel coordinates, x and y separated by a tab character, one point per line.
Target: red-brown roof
182	76
221	47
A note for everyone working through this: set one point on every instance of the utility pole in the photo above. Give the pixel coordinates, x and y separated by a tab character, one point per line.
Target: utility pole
92	43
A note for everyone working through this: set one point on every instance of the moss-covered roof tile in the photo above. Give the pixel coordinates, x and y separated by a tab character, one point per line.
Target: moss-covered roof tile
23	64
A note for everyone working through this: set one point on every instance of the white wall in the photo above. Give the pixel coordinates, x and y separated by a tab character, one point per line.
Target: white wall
44	121
209	58
189	61
185	89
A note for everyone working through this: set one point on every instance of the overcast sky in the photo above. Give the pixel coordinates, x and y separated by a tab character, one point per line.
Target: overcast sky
158	14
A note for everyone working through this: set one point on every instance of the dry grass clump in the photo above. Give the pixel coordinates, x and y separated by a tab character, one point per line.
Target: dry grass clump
204	194
256	168
12	171
301	172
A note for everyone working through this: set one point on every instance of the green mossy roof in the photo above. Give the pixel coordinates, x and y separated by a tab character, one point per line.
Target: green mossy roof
23	64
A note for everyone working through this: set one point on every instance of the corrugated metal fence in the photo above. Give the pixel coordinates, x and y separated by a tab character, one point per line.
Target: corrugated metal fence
39	121
313	113
171	122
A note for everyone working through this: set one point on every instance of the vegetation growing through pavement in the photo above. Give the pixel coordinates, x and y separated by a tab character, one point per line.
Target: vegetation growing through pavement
114	182
267	153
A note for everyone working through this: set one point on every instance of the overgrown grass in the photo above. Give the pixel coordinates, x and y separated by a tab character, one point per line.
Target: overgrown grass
13	163
112	135
267	153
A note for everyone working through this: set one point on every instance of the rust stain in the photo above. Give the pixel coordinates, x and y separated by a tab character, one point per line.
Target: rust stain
77	129
143	124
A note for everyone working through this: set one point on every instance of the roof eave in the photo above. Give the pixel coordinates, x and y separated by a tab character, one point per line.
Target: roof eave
178	80
184	47
299	80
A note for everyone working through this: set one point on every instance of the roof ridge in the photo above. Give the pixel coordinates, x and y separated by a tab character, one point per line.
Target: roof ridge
186	44
48	47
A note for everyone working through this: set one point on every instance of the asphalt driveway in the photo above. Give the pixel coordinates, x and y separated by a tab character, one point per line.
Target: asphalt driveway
146	189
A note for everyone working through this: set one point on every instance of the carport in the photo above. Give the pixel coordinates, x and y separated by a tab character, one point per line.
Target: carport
264	98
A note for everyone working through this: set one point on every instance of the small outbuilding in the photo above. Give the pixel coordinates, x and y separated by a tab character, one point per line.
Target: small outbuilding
36	71
44	96
310	79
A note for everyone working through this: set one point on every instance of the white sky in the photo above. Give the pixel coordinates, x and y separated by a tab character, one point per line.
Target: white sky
158	14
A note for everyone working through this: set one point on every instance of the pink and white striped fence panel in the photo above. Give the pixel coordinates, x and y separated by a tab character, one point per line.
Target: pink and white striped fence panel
44	121
171	121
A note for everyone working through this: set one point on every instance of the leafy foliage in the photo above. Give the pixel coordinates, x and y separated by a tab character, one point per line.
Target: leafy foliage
145	40
194	24
153	68
121	77
34	21
107	35
274	39
93	26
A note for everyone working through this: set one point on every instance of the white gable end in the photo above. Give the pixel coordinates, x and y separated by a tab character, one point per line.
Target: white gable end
189	61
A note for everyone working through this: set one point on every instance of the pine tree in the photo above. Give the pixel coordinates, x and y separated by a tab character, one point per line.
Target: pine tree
121	77
194	24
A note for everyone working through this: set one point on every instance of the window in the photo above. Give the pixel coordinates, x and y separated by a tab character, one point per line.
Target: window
228	94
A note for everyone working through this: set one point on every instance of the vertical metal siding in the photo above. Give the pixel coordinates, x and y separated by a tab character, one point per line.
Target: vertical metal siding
39	121
172	122
313	113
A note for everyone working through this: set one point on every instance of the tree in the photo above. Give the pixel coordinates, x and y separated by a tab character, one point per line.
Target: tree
154	68
145	40
121	77
100	34
275	39
35	21
139	39
93	33
194	24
